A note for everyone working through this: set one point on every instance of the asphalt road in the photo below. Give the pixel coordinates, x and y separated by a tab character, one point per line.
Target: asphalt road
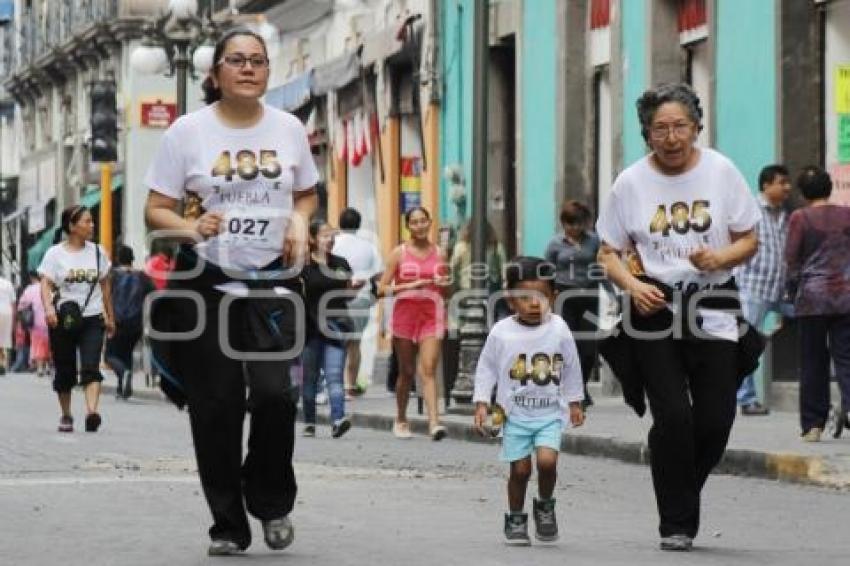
129	495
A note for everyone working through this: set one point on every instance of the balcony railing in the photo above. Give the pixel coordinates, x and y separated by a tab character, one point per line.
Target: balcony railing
41	30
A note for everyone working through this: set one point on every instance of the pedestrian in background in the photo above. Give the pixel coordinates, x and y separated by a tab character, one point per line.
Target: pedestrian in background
39	339
251	187
573	252
460	264
365	261
531	359
22	348
689	215
818	256
328	325
129	288
416	277
761	280
76	295
7	318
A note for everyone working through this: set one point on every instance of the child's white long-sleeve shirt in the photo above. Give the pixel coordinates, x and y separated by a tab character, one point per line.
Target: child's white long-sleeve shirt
535	369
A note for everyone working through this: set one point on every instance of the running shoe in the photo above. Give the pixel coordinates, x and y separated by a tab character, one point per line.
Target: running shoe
340	427
279	533
516	529
545	522
66	423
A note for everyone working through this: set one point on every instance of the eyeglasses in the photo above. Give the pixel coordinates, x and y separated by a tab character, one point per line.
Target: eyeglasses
659	132
238	61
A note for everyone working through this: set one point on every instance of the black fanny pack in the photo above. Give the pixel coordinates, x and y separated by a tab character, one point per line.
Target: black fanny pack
269	321
70	313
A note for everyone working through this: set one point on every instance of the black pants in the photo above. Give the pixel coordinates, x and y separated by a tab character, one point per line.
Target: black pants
119	348
216	390
64	344
691	385
820	337
573	312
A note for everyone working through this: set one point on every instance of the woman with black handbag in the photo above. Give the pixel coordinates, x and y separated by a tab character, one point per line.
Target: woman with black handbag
76	295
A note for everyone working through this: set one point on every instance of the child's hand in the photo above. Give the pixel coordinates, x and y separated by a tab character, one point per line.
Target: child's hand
576	414
480	418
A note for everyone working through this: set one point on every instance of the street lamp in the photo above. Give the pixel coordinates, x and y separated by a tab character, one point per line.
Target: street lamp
473	314
178	41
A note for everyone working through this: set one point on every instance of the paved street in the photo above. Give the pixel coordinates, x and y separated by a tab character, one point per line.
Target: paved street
128	495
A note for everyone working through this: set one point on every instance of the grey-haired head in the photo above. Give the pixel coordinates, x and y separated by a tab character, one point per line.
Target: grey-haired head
651	100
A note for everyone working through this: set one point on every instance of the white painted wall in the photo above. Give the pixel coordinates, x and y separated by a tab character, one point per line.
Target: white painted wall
701	79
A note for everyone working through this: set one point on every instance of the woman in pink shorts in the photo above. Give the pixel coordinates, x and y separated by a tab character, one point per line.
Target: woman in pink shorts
416	276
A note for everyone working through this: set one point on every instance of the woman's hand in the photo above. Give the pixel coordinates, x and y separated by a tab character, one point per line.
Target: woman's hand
648	299
109	323
209	224
52	319
706	259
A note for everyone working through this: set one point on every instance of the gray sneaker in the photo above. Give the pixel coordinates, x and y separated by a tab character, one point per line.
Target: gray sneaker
279	533
545	522
677	543
221	547
516	529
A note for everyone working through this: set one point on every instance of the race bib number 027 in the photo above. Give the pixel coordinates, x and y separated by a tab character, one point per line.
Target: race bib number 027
255	224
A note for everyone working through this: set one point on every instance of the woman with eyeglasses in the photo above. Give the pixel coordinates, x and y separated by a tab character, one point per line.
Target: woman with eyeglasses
688	214
573	252
244	173
417	277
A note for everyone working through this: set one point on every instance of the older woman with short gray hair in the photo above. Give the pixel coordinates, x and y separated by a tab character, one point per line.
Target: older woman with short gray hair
688	215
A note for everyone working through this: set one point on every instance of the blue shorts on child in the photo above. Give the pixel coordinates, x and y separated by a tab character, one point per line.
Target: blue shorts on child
520	437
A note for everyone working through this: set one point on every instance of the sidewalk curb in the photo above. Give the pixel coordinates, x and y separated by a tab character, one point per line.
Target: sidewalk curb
792	468
785	467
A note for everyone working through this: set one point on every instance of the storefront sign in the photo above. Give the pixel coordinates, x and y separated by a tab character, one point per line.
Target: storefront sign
842	89
158	114
840	184
411	189
844	138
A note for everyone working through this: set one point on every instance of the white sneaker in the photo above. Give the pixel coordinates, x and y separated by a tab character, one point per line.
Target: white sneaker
401	430
322	398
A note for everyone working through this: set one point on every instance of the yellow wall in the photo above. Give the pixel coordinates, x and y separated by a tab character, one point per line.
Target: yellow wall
431	175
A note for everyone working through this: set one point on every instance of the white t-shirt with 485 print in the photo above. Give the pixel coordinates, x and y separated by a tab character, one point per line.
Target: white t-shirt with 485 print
248	174
666	218
74	272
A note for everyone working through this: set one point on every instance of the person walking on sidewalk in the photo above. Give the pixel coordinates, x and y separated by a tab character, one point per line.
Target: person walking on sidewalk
7	320
417	276
573	252
365	261
761	280
818	256
75	291
245	173
39	341
129	288
328	323
532	360
690	217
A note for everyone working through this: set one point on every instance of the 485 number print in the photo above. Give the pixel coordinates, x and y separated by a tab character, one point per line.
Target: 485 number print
682	218
247	166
